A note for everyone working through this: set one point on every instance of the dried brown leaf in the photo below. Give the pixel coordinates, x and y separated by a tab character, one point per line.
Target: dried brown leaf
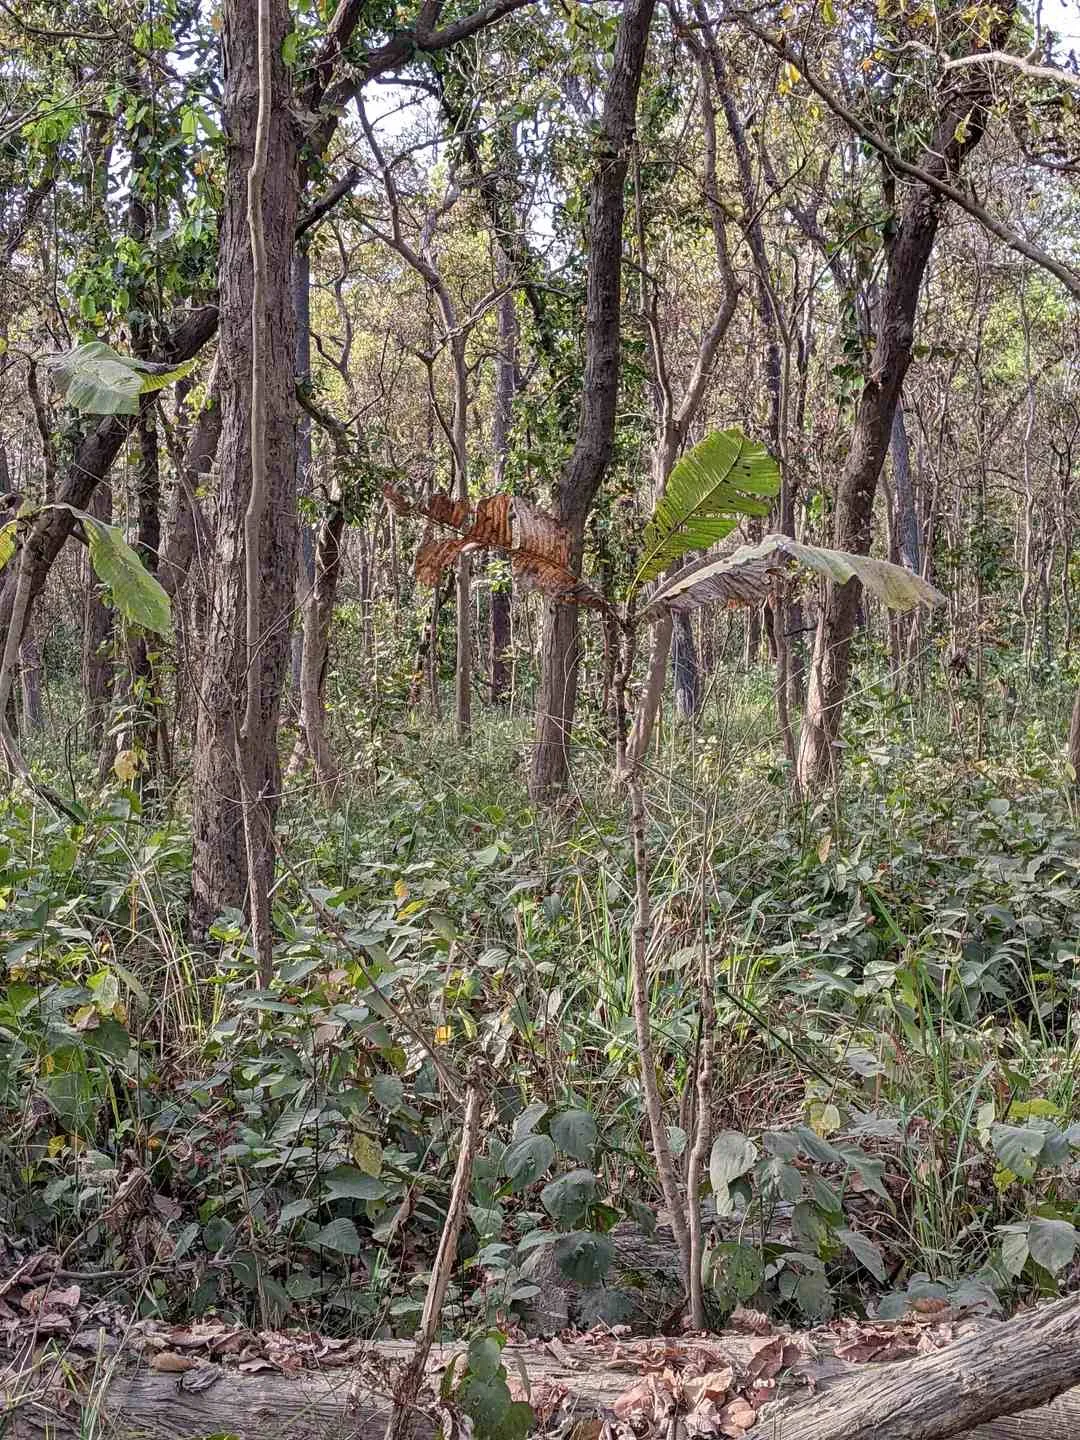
491	527
713	1386
767	1359
750	1322
434	556
736	1418
168	1362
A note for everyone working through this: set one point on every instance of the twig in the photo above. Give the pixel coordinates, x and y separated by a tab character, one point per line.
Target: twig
402	1416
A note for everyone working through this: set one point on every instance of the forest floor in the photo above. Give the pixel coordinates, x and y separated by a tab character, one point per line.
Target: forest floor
894	1066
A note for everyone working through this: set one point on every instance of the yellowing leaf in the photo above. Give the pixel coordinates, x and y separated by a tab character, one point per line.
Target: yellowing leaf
126	766
824	1119
367	1153
823	848
442	1035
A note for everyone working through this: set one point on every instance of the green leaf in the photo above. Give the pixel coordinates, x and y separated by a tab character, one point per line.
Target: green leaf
1017	1147
574	1132
568	1198
583	1256
389	1091
709	489
1052	1243
7	541
98	380
346	1182
732	1156
527	1160
865	1251
485	1358
135	592
1014	1248
340	1235
752	572
735	1272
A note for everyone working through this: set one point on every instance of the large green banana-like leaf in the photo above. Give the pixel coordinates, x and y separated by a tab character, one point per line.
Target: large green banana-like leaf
136	593
98	380
750	572
708	491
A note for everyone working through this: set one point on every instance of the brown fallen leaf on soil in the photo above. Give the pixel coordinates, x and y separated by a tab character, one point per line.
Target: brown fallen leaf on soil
736	1418
168	1362
750	1322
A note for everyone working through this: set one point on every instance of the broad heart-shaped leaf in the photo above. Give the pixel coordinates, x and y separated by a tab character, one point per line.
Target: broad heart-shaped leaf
135	592
732	1155
1052	1243
735	1271
724	478
865	1251
527	1159
98	380
568	1198
583	1256
574	1132
749	573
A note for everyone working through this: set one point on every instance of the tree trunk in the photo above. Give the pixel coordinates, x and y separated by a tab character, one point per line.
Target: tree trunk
1074	743
960	128
302	302
505	388
220	865
557	695
97	628
996	1381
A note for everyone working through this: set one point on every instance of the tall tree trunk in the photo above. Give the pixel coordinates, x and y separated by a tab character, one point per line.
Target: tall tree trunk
505	387
961	124
302	301
557	695
97	630
220	865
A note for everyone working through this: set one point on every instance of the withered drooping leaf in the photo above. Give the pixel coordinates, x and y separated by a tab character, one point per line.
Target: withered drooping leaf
749	573
538	545
491	528
533	572
434	556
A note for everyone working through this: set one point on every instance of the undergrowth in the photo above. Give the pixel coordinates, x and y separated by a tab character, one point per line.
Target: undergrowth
895	1052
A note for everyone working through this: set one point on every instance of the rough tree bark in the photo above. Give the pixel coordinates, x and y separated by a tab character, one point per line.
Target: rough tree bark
505	389
557	697
964	99
220	871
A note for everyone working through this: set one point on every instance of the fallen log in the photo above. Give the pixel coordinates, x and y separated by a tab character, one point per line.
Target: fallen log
1000	1381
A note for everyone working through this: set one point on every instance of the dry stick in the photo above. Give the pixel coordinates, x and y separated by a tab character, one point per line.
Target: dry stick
402	1416
253	804
702	1131
630	772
